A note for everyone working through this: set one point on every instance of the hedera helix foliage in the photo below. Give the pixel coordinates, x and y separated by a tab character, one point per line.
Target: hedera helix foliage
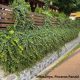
21	12
20	50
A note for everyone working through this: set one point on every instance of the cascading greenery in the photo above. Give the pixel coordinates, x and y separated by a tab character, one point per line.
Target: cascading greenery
21	13
20	50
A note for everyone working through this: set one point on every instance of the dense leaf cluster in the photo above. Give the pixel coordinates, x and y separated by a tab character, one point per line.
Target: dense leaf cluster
19	50
22	46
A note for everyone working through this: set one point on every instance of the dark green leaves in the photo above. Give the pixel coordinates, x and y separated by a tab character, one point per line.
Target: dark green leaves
19	50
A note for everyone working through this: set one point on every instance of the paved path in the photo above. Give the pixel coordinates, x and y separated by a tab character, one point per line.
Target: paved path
68	70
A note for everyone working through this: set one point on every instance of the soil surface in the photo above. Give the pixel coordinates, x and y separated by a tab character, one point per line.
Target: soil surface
67	70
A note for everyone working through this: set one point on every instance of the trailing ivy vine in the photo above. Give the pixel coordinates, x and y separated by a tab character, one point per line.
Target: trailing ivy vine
21	13
21	50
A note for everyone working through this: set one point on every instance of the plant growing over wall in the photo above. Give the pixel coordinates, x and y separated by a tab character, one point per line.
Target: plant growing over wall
20	50
21	13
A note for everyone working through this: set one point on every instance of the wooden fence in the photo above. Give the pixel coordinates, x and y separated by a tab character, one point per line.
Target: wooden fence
38	19
6	17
